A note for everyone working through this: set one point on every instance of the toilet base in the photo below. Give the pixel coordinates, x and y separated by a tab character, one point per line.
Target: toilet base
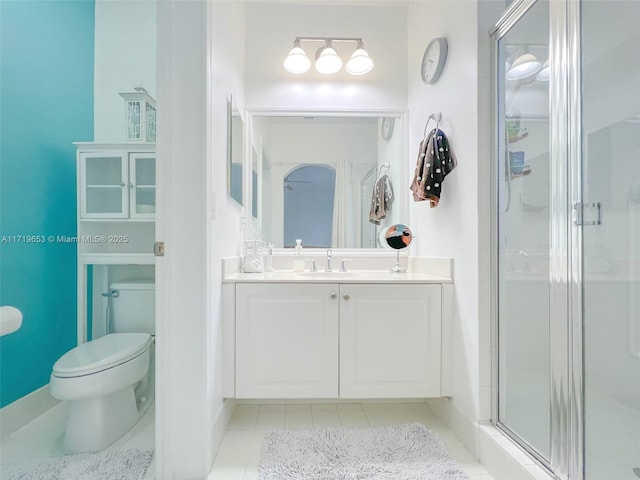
95	423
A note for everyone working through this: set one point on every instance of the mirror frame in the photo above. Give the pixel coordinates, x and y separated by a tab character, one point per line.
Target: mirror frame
232	111
401	125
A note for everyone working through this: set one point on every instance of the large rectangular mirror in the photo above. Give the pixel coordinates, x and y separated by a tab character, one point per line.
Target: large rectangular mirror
318	175
235	151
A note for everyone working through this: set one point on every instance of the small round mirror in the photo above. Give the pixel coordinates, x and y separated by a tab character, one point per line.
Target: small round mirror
398	237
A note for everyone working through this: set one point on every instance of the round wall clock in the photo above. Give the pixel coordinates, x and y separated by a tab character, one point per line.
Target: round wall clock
434	59
386	130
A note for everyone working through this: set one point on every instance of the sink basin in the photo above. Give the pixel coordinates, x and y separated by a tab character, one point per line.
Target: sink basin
330	274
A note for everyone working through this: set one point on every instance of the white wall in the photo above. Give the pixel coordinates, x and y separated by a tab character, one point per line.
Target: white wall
451	229
125	56
271	30
226	72
182	443
198	223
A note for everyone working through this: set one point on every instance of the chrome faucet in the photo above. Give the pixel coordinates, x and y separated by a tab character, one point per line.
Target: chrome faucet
329	254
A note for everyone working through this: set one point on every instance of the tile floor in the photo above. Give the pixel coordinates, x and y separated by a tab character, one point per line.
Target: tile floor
239	452
43	437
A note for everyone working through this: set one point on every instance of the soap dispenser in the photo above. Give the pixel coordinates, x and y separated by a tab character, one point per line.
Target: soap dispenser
268	258
298	262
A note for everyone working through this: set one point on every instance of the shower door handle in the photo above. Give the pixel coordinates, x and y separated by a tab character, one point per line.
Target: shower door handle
587	213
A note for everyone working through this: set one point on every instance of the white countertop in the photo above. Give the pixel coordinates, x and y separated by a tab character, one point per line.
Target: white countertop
359	276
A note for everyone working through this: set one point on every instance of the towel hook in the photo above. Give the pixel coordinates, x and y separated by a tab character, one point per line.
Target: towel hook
434	116
384	165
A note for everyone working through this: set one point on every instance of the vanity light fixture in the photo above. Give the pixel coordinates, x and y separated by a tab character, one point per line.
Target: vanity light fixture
360	62
297	61
544	74
327	60
524	66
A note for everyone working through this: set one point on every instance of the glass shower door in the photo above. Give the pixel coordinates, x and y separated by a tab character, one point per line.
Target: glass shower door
611	238
523	229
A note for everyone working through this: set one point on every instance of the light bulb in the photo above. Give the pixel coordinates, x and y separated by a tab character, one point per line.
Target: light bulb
360	62
544	74
297	61
524	66
327	60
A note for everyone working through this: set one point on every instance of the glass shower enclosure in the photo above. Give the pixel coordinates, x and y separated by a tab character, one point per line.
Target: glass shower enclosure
566	235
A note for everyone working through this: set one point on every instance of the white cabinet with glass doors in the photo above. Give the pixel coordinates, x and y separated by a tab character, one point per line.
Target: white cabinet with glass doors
117	181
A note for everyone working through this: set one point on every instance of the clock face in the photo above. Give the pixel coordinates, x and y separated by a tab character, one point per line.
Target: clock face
433	60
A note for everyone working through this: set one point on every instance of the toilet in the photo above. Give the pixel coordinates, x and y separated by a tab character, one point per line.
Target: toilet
109	382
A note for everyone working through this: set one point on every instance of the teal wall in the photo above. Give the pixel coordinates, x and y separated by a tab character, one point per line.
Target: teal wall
46	103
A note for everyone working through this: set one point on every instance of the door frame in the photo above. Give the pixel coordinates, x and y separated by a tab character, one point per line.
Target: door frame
566	295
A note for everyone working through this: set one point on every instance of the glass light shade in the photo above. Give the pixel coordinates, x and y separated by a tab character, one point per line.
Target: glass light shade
328	61
297	61
359	63
543	75
524	66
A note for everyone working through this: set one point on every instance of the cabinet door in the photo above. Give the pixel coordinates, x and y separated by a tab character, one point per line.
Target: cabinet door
286	340
103	185
142	185
390	341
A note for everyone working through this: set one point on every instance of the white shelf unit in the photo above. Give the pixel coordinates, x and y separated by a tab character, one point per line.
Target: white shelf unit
116	193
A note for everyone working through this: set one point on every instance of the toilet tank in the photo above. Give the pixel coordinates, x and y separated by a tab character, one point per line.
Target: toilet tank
133	307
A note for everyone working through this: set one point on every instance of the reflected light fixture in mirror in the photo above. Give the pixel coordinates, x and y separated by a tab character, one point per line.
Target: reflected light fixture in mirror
327	60
524	66
543	75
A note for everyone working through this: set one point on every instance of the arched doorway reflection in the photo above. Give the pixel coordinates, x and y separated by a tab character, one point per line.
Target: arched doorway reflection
308	205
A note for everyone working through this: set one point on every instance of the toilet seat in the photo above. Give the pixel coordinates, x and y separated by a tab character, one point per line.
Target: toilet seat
101	354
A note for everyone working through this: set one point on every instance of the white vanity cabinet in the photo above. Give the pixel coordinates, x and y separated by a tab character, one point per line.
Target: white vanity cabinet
390	341
116	182
286	340
330	340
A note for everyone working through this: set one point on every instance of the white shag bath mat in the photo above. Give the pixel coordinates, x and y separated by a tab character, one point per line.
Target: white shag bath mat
112	465
394	452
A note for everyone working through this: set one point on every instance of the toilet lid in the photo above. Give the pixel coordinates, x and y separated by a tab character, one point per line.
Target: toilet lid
101	354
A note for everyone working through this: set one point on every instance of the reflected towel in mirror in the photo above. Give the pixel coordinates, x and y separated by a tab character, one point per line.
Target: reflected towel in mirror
381	199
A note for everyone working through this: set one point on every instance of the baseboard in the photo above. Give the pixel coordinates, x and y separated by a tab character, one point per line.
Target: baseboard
491	447
465	429
24	410
220	427
222	422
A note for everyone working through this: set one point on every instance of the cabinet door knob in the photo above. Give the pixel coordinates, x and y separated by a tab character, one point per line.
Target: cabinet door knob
333	295
346	296
122	184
